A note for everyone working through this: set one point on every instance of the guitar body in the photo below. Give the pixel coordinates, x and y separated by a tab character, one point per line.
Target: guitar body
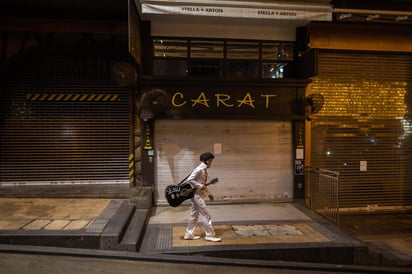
177	194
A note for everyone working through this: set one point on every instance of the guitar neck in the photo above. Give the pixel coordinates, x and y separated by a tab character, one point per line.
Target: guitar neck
213	181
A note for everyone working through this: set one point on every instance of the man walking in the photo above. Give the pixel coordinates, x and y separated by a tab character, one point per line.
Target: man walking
198	179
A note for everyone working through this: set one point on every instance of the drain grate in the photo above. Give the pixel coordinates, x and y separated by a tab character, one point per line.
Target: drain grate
164	238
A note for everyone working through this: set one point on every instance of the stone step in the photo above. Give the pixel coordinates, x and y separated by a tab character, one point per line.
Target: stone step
117	226
135	230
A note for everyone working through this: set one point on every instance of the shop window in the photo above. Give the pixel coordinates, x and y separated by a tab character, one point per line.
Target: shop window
240	69
206	68
170	48
273	70
207	49
206	59
167	67
222	58
277	51
242	50
170	57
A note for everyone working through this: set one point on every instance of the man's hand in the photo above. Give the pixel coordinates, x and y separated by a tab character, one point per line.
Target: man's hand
211	197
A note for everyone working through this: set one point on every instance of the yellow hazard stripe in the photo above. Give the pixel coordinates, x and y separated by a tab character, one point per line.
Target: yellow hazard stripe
67	97
114	98
75	97
131	168
51	97
84	97
131	161
58	97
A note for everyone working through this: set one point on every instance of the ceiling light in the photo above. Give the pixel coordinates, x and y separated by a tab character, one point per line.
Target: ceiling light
401	18
345	15
372	17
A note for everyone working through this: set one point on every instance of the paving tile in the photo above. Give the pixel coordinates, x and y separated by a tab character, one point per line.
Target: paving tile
57	225
79	208
13	224
77	225
20	210
225	232
37	225
49	213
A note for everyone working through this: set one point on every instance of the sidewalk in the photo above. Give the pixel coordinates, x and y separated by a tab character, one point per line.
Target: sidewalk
49	214
239	224
272	231
263	231
113	224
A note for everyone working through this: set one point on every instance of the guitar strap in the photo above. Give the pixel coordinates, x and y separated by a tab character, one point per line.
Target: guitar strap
181	182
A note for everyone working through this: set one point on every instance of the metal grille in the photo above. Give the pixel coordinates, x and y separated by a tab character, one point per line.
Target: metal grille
364	128
324	192
64	120
164	240
265	176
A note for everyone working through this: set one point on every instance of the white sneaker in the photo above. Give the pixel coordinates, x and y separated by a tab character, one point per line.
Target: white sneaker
213	239
191	237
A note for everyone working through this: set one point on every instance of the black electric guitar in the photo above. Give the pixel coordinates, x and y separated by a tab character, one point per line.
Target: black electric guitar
177	194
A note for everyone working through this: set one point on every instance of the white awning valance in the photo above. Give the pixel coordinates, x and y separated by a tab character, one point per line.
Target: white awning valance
278	10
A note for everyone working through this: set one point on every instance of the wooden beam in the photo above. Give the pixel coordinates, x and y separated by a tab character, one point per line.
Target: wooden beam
62	25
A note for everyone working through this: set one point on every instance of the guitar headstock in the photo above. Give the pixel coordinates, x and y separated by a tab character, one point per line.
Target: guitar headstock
214	181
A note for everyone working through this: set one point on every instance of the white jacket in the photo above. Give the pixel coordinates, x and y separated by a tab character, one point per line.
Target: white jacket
198	179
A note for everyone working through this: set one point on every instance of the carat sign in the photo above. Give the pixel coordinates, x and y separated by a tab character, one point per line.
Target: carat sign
272	11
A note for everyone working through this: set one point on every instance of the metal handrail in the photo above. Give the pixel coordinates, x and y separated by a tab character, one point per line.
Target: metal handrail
323	192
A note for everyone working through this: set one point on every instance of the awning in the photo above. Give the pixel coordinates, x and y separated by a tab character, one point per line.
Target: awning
277	10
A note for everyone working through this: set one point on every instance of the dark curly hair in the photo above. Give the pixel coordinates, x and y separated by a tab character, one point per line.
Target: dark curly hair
206	156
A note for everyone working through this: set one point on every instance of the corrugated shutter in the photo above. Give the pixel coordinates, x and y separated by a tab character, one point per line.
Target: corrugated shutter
255	162
364	128
64	120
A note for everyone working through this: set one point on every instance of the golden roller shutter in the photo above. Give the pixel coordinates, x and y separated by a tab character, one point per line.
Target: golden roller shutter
364	129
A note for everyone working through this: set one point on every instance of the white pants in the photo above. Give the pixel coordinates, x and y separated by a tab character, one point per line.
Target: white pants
199	207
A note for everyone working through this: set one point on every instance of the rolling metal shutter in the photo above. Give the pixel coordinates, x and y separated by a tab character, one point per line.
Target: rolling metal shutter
64	120
364	129
253	158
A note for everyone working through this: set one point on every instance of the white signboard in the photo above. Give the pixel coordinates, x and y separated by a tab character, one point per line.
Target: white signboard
363	165
285	12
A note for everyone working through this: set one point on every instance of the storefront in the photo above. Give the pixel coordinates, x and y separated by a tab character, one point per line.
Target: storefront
220	77
364	128
250	126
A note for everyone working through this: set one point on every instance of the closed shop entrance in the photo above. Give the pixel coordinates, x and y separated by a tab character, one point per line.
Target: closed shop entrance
253	158
64	120
364	129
